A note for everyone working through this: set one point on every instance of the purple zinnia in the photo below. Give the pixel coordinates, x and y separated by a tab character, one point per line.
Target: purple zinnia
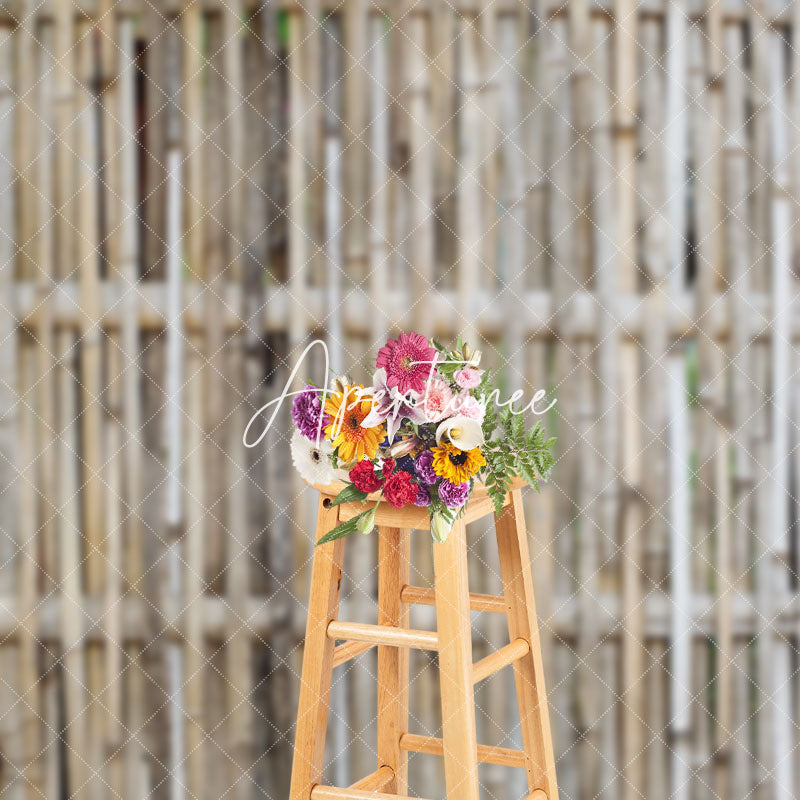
454	495
423	466
423	497
307	411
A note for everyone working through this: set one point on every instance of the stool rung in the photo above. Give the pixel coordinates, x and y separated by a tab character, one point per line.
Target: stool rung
417	595
375	781
332	793
383	634
494	662
344	652
504	756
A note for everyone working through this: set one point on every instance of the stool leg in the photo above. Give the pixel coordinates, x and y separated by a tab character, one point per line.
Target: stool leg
455	666
315	683
512	544
393	573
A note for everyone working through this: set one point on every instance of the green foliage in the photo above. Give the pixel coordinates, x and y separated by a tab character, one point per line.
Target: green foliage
450	361
344	528
348	495
510	450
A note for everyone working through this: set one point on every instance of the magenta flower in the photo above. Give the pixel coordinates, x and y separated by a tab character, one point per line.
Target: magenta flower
408	361
307	412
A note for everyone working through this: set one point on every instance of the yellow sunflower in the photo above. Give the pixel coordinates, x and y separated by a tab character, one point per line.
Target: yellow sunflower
347	410
457	466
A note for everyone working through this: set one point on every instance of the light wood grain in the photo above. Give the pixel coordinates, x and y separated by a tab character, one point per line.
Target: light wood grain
537	795
315	682
349	650
512	544
394	567
494	662
477	602
455	665
490	754
383	635
376	781
332	793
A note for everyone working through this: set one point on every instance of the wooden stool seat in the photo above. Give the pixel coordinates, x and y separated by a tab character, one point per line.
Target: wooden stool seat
452	640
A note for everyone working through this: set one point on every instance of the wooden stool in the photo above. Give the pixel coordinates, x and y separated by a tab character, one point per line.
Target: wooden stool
452	640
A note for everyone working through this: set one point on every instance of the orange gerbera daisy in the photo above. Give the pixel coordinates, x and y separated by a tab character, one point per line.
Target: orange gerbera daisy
347	410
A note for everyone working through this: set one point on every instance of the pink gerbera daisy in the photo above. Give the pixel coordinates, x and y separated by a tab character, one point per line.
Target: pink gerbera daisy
408	361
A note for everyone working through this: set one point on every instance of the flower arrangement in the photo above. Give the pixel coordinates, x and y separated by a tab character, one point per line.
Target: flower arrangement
421	435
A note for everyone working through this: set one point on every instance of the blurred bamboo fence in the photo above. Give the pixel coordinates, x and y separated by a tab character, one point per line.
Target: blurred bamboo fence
603	196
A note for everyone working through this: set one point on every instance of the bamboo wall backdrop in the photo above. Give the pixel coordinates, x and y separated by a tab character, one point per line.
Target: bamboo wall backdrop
601	195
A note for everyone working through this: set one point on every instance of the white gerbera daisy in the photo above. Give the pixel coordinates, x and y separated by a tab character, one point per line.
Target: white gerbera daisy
312	462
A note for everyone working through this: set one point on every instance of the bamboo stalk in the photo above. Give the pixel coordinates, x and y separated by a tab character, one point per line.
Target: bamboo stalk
115	655
357	78
631	467
70	557
707	224
381	177
173	438
609	330
470	200
86	133
557	213
11	416
723	711
660	233
127	267
110	175
778	533
764	649
44	241
419	117
680	578
37	515
194	661
489	139
739	249
583	311
336	212
239	662
27	718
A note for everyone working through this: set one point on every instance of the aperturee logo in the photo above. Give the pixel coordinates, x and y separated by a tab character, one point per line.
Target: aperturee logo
395	403
430	427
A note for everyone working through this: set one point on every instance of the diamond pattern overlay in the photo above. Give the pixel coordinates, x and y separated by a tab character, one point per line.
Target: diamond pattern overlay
602	196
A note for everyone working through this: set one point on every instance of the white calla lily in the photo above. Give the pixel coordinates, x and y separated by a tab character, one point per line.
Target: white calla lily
462	432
